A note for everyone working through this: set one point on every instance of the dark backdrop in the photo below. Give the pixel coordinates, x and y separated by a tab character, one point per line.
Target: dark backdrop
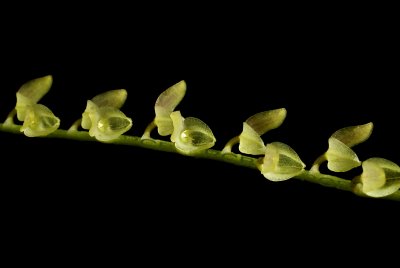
328	71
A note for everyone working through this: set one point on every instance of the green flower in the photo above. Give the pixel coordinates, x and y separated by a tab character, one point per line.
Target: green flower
38	120
250	141
340	156
280	162
190	135
31	93
103	118
165	105
380	177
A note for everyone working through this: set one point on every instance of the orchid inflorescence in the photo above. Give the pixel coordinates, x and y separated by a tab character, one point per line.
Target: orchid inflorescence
277	161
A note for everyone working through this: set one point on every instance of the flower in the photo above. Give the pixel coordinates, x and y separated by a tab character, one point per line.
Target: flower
190	135
250	141
280	162
103	118
165	105
380	177
339	155
31	93
38	120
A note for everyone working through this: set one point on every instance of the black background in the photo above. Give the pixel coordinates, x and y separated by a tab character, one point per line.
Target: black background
329	70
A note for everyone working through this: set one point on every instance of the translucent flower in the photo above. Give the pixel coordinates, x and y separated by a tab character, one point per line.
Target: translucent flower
112	98
30	93
103	118
165	105
280	162
380	177
39	121
250	141
190	135
340	156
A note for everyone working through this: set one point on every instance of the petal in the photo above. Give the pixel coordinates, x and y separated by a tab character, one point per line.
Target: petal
250	141
340	157
178	125
266	121
191	135
111	124
390	187
23	103
39	121
373	176
165	105
30	93
112	98
380	177
391	169
35	89
354	135
91	114
171	97
281	162
197	133
163	122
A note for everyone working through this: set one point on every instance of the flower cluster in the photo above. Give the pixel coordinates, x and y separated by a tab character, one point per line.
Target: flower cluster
103	120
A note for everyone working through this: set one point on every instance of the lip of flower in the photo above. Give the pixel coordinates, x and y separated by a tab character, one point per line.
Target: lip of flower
110	128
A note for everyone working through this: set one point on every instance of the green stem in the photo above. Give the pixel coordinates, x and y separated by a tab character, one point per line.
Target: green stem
315	166
147	131
228	157
228	146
